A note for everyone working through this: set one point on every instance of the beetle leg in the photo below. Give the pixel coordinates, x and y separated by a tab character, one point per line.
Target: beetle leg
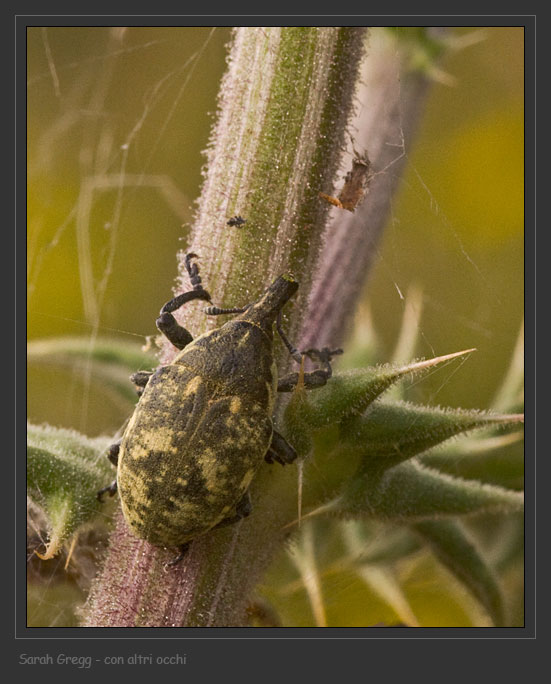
183	551
110	489
315	378
173	331
113	456
280	450
140	379
113	452
166	322
244	505
312	379
242	510
324	357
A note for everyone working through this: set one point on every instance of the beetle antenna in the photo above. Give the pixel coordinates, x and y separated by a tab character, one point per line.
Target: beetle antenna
198	292
217	311
297	356
193	271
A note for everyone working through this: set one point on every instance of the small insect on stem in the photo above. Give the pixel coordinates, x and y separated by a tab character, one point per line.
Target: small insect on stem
356	185
236	221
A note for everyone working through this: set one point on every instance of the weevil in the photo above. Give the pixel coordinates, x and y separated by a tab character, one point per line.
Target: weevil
203	424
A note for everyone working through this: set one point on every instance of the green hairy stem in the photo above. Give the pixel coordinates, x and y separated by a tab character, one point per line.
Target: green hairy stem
286	101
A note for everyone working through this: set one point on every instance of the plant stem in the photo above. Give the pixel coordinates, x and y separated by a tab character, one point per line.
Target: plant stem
285	103
391	99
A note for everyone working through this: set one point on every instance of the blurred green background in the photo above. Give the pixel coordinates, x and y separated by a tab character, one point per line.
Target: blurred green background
117	122
456	228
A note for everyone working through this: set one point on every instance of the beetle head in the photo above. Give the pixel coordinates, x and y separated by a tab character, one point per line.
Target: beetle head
264	311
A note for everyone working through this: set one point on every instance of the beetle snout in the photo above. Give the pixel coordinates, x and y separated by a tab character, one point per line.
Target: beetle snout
266	308
283	288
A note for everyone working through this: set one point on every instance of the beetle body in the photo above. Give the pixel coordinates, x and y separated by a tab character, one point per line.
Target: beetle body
202	427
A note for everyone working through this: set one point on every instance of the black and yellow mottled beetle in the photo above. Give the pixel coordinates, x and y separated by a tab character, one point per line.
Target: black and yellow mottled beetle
203	424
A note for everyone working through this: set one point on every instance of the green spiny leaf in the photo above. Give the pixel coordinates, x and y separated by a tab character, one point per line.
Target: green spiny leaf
392	432
64	472
459	554
411	492
353	391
